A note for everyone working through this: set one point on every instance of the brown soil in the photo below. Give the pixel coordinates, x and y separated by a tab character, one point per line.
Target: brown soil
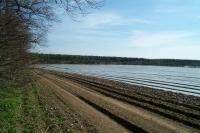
109	106
93	120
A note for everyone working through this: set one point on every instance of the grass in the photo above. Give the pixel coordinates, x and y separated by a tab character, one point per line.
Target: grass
10	101
20	110
31	108
32	117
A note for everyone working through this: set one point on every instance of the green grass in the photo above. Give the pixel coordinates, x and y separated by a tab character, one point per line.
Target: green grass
28	109
32	116
10	101
20	110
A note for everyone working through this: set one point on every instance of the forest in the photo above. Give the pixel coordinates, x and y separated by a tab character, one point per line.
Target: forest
78	59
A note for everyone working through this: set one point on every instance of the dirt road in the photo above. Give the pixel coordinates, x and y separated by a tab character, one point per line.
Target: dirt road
107	113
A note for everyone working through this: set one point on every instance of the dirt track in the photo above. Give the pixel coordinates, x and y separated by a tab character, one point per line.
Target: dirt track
109	111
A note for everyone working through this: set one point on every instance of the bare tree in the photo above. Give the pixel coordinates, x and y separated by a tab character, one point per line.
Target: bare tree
15	40
24	23
39	13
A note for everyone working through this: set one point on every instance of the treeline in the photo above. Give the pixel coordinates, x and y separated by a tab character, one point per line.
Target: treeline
77	59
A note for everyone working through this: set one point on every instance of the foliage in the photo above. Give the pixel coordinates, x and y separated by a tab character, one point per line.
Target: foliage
76	59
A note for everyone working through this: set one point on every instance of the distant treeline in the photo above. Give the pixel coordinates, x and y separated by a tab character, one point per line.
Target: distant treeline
77	59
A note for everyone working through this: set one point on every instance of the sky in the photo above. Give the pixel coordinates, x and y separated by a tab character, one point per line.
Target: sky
167	29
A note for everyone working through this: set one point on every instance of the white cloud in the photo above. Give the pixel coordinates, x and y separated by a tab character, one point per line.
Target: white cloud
156	39
111	19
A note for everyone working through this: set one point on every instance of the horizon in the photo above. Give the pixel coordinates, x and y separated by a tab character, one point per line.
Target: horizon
160	29
121	57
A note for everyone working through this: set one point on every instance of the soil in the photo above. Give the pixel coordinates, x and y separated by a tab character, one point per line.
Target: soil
108	106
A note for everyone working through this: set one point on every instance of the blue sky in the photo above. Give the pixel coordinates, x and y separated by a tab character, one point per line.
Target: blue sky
130	28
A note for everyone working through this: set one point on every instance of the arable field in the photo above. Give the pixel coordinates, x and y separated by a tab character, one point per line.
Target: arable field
64	102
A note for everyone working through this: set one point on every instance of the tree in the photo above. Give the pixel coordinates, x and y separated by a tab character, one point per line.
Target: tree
24	23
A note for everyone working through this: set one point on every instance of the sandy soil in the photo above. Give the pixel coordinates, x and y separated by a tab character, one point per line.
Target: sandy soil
86	112
108	111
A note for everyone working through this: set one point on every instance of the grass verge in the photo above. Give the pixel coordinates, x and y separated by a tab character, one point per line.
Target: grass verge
20	110
10	103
